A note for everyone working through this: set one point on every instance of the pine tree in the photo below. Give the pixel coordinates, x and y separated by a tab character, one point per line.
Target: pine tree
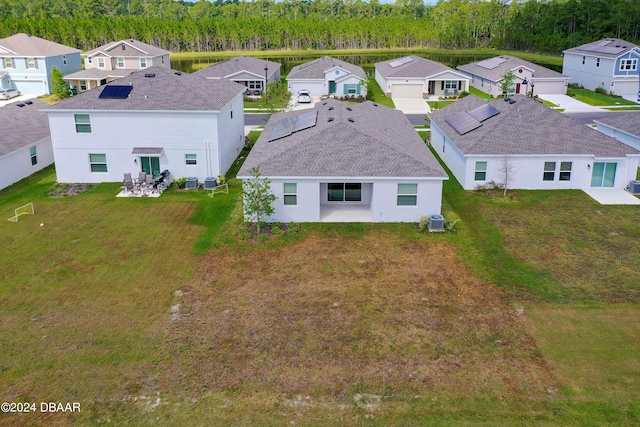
58	85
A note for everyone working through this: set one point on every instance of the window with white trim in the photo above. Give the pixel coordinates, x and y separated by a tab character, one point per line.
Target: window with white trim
190	159
89	60
481	171
162	59
143	62
407	194
64	59
31	63
628	64
290	193
120	62
83	123
597	62
83	85
351	89
98	162
451	84
584	59
549	173
565	171
344	192
8	62
34	155
101	63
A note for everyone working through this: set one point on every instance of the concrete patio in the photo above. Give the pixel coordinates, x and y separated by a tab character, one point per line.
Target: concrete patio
345	213
609	196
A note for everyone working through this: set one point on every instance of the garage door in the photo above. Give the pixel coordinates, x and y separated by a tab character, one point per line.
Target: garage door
406	91
30	87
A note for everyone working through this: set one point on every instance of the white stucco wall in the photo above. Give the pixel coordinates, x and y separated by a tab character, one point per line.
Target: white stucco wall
17	165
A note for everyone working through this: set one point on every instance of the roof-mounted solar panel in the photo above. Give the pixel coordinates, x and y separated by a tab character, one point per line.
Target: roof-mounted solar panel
115	92
399	62
483	112
289	125
463	123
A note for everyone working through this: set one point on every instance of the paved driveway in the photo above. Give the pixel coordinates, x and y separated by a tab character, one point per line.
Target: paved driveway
412	105
570	105
23	97
295	105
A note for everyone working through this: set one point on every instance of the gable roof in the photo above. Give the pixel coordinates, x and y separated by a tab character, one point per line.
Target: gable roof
526	127
503	64
610	47
162	90
378	142
22	126
232	66
629	122
19	45
412	67
132	48
315	69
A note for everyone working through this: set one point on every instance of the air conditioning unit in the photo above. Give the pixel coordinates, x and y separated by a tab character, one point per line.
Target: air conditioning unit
210	183
436	223
192	183
634	187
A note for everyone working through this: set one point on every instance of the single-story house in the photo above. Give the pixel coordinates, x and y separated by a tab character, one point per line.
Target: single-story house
610	64
341	163
625	128
27	61
245	70
540	148
152	120
25	144
328	76
416	77
112	61
529	77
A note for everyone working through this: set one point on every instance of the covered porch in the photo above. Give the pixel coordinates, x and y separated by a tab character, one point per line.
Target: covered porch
347	213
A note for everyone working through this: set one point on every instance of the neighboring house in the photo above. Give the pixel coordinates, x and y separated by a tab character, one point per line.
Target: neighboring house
112	61
25	144
545	149
245	70
416	77
625	128
27	62
151	120
328	76
341	163
611	64
529	77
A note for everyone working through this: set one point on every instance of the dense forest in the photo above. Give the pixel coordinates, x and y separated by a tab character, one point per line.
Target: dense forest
536	25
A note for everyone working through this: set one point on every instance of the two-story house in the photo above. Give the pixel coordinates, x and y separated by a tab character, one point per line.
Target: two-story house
611	64
27	62
112	61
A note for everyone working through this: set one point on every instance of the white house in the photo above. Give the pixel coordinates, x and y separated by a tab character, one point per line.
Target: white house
25	145
416	77
151	120
529	77
543	148
245	70
328	76
27	61
625	128
341	163
611	64
112	61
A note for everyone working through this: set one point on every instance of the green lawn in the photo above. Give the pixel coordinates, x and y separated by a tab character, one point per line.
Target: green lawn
480	94
377	95
597	99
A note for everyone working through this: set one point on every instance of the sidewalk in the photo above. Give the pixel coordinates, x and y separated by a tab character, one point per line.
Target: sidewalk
569	104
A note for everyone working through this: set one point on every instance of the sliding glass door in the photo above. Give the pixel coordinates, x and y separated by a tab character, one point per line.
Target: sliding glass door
604	174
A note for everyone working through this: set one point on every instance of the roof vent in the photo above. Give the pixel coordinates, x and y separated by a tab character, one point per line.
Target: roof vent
349	109
507	99
150	75
331	119
324	103
20	104
375	105
123	46
512	101
178	73
350	119
330	108
28	102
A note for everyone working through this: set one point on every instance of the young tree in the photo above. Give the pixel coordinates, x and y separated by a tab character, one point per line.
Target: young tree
258	197
507	170
58	85
506	81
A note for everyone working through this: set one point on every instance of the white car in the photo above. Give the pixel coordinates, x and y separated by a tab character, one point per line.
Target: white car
304	97
9	93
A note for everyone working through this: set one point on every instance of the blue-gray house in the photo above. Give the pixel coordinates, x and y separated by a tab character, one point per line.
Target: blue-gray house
27	62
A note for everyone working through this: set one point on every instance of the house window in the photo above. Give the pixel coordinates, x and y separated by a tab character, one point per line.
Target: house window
83	123
190	159
143	62
8	62
597	62
407	194
341	192
232	114
351	89
98	162
120	62
628	64
481	171
565	171
584	59
89	60
34	156
100	62
31	63
290	193
162	59
64	59
450	84
83	85
549	173
255	84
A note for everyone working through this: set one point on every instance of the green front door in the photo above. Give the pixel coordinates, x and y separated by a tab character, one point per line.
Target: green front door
604	174
151	165
332	88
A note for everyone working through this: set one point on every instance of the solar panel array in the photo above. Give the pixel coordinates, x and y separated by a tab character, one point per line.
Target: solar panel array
308	64
399	62
610	50
492	63
463	123
483	112
289	125
115	92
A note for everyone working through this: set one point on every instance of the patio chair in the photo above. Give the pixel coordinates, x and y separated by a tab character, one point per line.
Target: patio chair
129	186
141	177
127	177
149	180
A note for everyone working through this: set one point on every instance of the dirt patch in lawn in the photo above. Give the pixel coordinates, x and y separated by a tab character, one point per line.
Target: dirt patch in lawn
67	190
334	316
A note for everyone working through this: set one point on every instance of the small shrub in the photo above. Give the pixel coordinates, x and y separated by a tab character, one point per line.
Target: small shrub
276	230
180	182
464	94
601	90
244	234
491	185
294	227
263	237
423	223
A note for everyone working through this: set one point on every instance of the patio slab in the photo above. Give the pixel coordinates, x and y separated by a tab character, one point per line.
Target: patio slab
612	197
348	213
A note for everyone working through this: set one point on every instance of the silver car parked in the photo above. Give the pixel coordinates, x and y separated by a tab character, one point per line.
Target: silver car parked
9	93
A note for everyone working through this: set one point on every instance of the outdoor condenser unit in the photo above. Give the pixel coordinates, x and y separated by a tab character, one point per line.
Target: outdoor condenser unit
634	187
192	183
436	223
210	183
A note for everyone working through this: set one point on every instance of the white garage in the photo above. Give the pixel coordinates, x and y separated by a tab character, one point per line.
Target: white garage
406	91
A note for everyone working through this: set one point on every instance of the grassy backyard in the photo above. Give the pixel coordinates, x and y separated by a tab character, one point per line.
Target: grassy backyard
162	312
597	99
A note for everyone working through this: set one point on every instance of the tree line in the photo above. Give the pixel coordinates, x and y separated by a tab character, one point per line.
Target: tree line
536	25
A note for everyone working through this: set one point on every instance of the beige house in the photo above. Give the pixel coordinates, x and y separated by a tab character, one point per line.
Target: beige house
112	61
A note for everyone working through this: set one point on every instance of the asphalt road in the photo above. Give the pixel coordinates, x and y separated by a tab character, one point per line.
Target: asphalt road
587	118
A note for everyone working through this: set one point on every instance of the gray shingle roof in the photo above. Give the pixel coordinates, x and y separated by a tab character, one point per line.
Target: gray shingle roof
238	64
418	67
31	46
526	127
133	48
380	142
168	90
618	47
629	122
511	63
22	126
315	69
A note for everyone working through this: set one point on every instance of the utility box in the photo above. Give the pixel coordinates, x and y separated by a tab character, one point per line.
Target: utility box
436	223
192	183
634	187
210	183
